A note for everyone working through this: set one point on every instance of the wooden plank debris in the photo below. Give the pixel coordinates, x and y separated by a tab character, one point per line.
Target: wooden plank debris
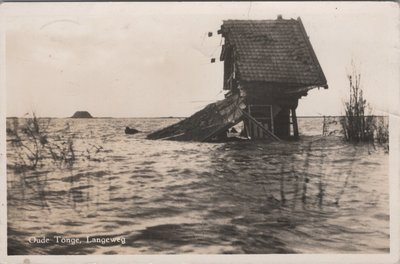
212	121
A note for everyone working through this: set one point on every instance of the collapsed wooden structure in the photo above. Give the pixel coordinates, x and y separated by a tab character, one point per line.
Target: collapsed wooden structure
268	66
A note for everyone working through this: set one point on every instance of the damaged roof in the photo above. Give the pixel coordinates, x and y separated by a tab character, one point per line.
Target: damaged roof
274	51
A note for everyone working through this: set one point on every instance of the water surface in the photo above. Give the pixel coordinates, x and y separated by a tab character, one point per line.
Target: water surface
317	195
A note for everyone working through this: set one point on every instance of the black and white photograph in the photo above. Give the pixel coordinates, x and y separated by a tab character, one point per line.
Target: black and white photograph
202	130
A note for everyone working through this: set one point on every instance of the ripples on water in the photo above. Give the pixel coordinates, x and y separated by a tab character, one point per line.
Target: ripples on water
317	195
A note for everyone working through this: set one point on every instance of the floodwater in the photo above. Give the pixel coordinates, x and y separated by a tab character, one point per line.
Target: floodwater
316	195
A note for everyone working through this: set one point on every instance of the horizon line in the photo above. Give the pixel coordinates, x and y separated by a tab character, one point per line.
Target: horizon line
167	117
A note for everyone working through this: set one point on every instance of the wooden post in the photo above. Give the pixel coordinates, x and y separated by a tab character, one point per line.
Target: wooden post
294	122
250	125
254	129
246	127
272	119
290	122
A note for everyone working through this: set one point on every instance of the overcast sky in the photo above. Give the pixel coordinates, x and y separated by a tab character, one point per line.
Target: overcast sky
153	59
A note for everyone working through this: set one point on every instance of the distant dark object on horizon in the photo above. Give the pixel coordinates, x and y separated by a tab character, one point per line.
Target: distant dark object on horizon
82	114
131	131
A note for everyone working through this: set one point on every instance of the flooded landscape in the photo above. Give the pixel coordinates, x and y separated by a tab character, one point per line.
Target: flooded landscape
316	195
193	132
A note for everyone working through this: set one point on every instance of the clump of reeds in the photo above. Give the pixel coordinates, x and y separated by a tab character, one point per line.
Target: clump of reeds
33	145
358	124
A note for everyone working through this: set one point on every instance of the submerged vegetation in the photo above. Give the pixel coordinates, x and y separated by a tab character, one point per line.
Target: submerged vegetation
358	123
35	146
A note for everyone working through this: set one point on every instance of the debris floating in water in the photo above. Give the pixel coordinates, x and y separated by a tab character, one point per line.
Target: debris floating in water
131	131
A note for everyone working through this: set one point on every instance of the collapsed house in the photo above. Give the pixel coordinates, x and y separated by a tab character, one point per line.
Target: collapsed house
268	66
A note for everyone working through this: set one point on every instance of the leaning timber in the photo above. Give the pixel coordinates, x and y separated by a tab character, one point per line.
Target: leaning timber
206	124
268	66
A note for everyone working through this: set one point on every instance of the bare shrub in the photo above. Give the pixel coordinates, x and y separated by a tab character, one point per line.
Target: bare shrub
358	123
